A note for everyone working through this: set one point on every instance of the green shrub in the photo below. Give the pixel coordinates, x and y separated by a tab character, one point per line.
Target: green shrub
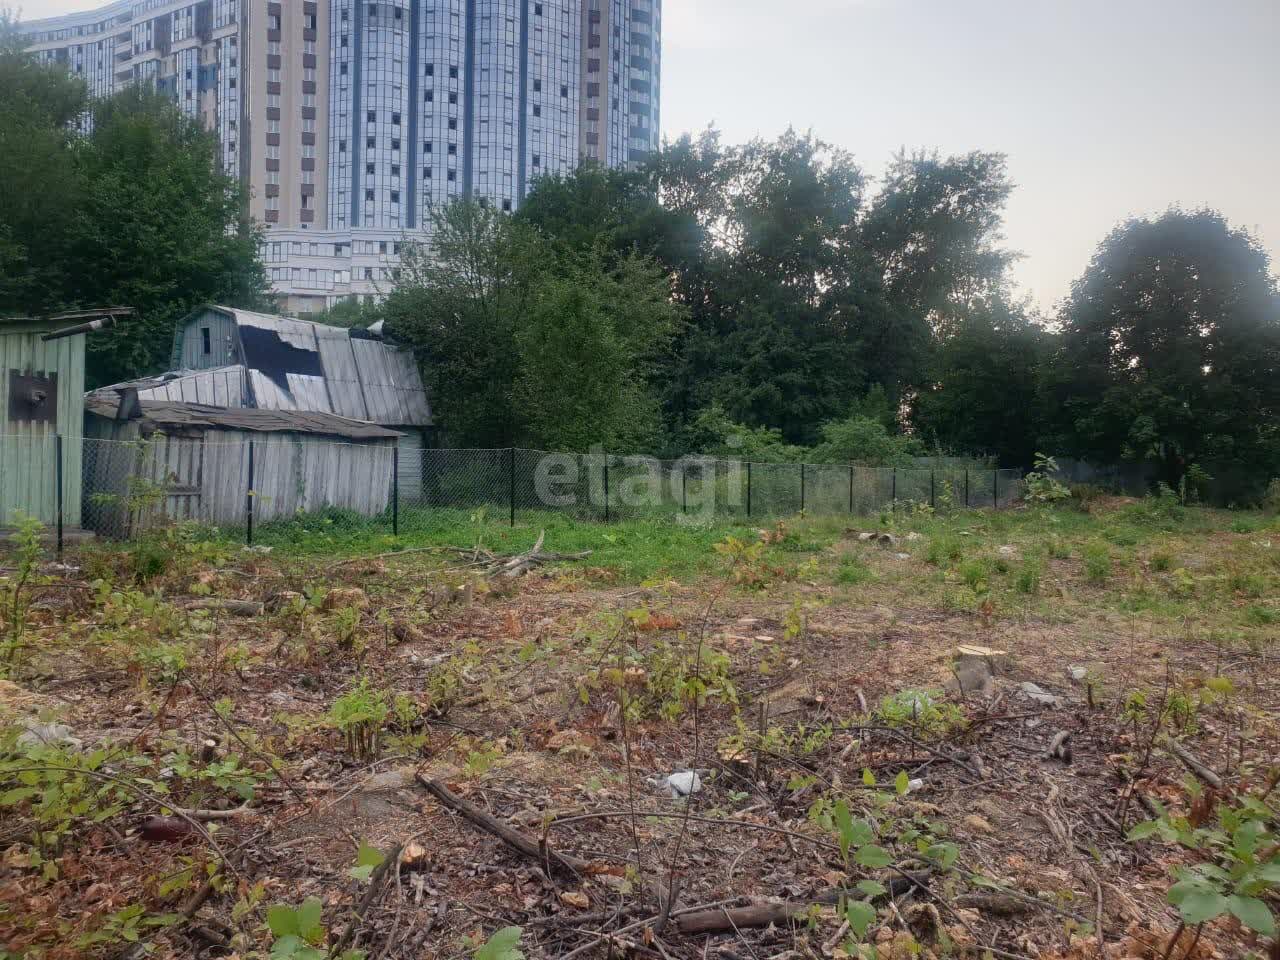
1097	562
1271	499
1161	561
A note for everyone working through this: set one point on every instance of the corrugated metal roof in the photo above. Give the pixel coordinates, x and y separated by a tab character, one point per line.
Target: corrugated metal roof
307	366
217	387
197	415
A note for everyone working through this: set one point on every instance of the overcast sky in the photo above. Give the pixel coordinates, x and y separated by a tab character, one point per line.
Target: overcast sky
1106	108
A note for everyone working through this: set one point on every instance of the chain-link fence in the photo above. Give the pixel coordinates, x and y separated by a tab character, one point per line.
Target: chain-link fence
282	488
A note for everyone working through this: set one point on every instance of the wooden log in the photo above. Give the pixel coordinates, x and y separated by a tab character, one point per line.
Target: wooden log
1194	765
725	919
240	608
512	838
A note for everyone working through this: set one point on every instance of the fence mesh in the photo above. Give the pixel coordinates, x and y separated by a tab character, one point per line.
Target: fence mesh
281	488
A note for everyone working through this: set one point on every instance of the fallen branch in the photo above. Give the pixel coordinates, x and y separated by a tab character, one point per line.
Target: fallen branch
1195	766
239	608
726	920
512	838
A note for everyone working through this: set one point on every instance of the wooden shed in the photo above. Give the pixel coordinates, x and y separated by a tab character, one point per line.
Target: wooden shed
42	386
155	461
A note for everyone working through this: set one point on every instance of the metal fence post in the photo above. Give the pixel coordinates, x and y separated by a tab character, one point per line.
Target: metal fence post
851	488
395	491
893	492
511	481
684	481
606	488
248	501
995	489
966	488
802	487
748	488
57	469
933	489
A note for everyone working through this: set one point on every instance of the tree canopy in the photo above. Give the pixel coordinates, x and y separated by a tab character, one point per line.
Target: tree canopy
135	212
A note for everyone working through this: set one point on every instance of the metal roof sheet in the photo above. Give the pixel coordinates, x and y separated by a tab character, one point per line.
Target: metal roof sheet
303	365
216	387
198	415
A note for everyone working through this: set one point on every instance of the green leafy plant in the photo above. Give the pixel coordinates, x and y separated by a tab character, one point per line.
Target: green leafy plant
368	859
1239	858
1043	487
503	945
360	714
922	710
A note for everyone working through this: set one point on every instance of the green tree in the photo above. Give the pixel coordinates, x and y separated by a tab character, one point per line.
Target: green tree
136	212
524	339
981	390
865	440
40	184
1170	349
162	229
934	231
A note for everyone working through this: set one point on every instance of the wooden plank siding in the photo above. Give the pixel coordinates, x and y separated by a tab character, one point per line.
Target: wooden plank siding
189	353
27	458
205	477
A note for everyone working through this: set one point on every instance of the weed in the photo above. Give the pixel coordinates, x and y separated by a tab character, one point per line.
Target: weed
27	541
853	572
1097	562
1043	487
1161	561
359	714
976	575
1027	579
944	549
1259	616
922	710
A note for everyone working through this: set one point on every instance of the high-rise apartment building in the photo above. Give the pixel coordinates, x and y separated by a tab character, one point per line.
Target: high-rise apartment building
351	122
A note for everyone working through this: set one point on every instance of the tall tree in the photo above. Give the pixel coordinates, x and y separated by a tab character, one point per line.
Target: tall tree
162	229
40	184
980	394
934	232
136	212
1171	348
526	340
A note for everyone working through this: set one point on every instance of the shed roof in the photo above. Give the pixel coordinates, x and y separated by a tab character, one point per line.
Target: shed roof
308	366
163	413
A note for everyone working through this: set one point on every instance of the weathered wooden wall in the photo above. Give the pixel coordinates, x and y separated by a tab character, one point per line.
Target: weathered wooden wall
204	478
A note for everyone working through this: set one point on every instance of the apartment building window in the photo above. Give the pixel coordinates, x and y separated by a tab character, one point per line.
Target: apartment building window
342	146
429	96
395	119
370	142
431	70
368	195
453	73
395	196
453	149
427	146
369	169
426	173
453	98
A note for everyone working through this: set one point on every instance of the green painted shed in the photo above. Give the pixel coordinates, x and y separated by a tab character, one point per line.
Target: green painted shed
42	392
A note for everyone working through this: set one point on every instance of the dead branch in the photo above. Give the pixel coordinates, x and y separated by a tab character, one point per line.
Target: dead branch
726	920
1194	765
512	838
239	608
375	887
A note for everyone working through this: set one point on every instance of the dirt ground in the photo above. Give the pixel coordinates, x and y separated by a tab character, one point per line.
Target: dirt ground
556	703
